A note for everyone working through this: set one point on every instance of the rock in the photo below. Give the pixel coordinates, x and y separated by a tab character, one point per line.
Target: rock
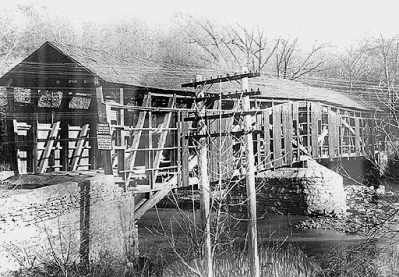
380	190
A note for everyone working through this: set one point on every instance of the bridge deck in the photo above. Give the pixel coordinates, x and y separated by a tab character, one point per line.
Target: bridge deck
162	140
156	151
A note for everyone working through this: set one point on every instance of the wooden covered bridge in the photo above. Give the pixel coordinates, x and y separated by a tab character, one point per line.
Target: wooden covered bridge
71	108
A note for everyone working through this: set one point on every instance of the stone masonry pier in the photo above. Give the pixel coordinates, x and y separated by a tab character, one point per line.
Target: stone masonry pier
57	217
301	191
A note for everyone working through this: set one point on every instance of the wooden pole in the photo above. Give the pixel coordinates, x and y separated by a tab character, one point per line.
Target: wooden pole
149	164
102	118
204	184
64	132
121	138
250	180
34	129
84	249
11	135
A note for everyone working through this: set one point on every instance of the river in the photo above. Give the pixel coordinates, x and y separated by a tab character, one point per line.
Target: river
271	228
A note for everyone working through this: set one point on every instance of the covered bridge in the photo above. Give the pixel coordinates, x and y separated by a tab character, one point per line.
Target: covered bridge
70	108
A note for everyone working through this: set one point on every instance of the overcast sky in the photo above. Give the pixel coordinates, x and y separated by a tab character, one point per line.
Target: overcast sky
340	22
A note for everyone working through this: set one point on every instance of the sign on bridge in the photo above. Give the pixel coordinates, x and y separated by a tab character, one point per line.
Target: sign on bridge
104	136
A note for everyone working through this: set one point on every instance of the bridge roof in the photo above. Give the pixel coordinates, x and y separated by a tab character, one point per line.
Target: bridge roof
53	60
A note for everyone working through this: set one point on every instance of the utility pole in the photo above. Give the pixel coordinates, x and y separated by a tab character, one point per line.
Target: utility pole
203	170
250	182
204	182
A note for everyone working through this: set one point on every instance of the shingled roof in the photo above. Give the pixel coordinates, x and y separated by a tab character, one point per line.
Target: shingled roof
53	59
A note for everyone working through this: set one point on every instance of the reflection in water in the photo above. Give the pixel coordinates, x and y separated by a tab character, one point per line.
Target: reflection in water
277	228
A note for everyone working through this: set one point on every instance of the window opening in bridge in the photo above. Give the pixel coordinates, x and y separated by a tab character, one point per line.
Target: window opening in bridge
323	136
49	99
303	118
21	95
79	102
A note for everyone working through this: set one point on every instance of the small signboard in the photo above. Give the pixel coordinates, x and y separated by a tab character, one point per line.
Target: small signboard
104	136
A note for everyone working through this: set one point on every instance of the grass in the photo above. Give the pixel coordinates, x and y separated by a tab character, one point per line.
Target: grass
286	261
364	260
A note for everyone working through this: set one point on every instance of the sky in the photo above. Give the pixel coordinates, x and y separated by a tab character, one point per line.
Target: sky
339	22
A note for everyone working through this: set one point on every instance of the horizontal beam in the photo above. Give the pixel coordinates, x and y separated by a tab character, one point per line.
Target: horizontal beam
223	134
222	96
223	115
152	109
221	79
180	94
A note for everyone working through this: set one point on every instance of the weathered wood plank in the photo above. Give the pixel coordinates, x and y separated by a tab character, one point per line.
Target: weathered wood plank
372	138
315	117
103	118
337	123
34	130
64	126
296	139
163	136
120	137
179	153
185	151
17	163
149	155
277	155
43	162
357	137
258	141
288	129
366	137
266	136
341	136
331	134
77	152
130	160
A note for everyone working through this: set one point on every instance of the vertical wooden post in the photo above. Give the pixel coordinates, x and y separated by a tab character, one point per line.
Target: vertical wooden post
49	146
34	129
156	159
64	132
250	180
136	137
149	164
341	134
102	118
372	138
331	133
277	153
297	139
185	152
287	128
84	249
366	137
315	116
204	182
11	136
357	136
120	133
179	148
266	131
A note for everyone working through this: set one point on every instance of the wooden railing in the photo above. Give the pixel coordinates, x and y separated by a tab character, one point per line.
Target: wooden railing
48	155
283	133
152	145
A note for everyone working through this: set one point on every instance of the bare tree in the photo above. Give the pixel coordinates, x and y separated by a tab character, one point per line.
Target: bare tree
292	64
254	45
387	51
354	64
230	46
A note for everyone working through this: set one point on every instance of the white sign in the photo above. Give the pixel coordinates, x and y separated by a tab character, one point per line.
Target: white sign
104	142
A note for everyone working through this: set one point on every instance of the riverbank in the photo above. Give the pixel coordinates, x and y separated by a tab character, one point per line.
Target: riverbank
372	212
